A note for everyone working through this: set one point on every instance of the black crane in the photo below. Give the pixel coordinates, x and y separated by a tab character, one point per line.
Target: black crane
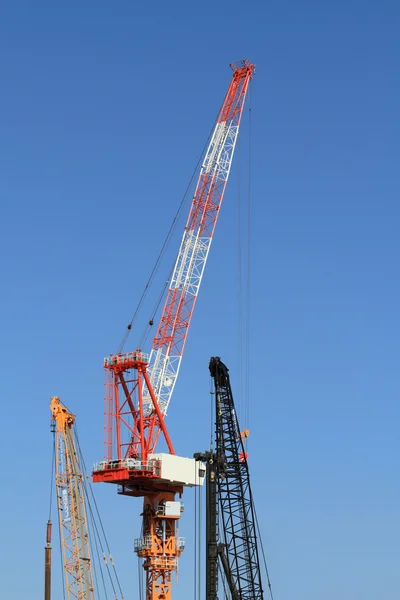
229	501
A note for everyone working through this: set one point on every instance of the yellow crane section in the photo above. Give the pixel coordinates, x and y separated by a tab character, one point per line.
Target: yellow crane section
74	532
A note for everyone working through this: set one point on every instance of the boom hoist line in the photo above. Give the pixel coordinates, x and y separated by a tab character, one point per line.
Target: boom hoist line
87	575
229	501
139	386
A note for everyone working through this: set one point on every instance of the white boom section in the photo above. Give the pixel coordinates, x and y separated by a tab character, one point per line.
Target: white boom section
164	362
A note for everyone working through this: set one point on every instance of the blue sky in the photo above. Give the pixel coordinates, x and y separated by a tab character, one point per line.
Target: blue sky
104	110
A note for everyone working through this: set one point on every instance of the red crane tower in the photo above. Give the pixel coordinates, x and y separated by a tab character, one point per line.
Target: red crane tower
139	386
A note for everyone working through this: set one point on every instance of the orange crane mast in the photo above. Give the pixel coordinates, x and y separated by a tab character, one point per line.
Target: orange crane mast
139	386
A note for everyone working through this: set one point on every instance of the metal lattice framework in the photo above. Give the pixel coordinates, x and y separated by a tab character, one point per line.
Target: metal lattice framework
71	507
138	426
139	388
235	499
169	342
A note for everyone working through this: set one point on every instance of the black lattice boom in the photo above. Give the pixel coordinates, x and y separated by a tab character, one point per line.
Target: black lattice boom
235	498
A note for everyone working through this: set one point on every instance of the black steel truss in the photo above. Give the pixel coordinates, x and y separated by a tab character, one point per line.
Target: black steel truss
239	552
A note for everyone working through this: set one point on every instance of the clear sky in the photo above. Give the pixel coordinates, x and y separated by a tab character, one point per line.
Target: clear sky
104	109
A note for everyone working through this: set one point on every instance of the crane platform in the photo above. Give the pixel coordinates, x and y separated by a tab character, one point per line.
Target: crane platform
160	471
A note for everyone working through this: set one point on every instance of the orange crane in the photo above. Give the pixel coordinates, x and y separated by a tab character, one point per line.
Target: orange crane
139	386
74	532
85	576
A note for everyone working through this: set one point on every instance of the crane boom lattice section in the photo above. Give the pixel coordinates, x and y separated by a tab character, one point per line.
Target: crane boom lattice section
169	342
234	491
71	506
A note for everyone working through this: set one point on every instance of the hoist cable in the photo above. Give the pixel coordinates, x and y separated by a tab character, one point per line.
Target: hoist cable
248	273
61	550
96	580
166	242
98	543
87	486
97	534
196	574
91	520
224	586
94	551
199	538
98	557
262	549
155	309
239	280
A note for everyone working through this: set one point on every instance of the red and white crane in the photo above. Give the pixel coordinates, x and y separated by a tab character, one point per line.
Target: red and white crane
139	386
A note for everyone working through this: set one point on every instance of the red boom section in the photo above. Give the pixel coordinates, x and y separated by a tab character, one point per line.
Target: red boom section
126	375
178	309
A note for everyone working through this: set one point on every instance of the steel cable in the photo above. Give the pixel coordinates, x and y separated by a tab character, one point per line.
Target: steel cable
95	533
199	538
239	282
61	551
98	556
87	486
165	245
195	545
262	550
248	275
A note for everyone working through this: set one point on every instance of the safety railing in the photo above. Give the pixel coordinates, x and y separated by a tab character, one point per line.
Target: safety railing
180	543
164	562
132	464
128	357
143	543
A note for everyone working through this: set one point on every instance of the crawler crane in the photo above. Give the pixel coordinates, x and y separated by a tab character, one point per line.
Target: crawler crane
231	538
139	386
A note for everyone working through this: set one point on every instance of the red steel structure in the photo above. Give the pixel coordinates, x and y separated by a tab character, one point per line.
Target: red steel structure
138	386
